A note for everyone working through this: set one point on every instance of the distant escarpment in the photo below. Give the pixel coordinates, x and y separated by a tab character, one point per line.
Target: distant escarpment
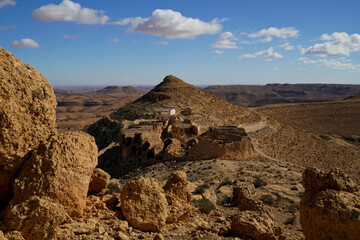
252	95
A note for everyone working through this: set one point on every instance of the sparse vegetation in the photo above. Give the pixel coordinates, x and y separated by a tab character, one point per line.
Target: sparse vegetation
201	188
267	199
204	205
114	186
290	220
293	207
225	182
259	182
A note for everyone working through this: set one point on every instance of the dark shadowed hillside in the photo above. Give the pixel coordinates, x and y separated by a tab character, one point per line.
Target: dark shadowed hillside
250	95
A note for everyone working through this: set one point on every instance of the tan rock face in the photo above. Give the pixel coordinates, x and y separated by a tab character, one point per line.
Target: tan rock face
243	190
27	116
99	180
254	219
255	225
176	190
223	142
36	218
143	204
59	169
329	208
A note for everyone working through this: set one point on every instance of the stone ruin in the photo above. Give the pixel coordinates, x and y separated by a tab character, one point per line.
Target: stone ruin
147	141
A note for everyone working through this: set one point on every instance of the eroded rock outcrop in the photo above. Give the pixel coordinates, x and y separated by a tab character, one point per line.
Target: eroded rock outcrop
254	219
27	116
257	225
99	180
143	204
36	218
329	208
60	170
223	142
176	190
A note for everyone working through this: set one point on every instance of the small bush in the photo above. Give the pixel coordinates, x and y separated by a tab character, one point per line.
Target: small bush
259	182
267	199
204	205
290	220
226	201
293	207
201	188
226	181
114	186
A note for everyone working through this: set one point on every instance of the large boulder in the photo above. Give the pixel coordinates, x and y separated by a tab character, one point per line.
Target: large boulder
143	204
36	218
176	190
329	208
255	225
61	170
27	116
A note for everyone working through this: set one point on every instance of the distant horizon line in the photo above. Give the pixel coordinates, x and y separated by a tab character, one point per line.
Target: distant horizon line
198	85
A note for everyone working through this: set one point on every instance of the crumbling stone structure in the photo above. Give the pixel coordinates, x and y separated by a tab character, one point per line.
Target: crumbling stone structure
153	140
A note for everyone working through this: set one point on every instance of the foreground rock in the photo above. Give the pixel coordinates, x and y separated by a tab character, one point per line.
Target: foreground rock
329	208
176	190
143	204
99	180
60	170
27	116
257	225
254	219
36	218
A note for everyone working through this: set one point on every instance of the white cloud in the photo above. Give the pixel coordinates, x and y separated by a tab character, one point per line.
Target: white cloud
172	25
287	46
7	27
217	52
114	40
71	36
69	11
268	34
275	68
265	40
4	3
25	43
337	44
332	63
161	43
226	40
269	54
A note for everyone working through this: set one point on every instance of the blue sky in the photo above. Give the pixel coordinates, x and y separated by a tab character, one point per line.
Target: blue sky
208	42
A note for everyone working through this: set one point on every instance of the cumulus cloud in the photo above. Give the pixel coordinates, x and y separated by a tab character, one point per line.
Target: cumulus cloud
217	52
25	43
332	63
269	54
4	3
172	25
226	40
337	44
69	11
268	34
7	27
287	46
